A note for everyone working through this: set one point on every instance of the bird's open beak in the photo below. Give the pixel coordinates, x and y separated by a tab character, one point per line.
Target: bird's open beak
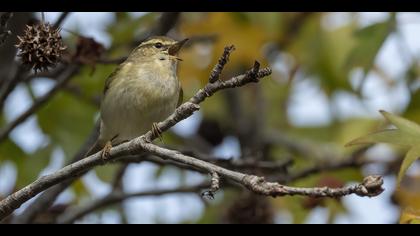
174	49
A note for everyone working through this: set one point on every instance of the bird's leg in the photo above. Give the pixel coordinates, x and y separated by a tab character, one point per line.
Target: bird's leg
156	131
107	148
105	151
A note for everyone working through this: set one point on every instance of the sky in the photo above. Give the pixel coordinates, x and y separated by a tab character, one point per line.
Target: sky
309	107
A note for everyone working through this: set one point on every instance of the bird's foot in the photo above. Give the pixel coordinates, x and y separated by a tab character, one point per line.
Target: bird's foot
157	132
106	151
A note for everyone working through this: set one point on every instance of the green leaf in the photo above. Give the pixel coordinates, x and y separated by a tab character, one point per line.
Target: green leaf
392	136
412	111
415	221
126	28
241	17
369	41
412	155
92	84
107	172
406	126
407	134
79	190
159	172
409	216
10	151
67	122
29	167
330	48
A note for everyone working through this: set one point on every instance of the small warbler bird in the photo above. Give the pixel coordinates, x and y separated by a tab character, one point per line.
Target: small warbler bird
142	90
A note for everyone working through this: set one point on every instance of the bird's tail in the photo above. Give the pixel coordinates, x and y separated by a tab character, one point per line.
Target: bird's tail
98	146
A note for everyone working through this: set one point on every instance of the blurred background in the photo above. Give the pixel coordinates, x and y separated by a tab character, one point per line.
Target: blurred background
332	73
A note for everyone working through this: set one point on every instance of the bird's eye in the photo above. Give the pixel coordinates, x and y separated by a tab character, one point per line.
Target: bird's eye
158	45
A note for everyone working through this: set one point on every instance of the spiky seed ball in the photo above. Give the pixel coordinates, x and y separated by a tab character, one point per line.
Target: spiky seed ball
41	46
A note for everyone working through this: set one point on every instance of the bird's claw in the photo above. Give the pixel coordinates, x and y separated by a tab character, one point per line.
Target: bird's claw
157	132
106	151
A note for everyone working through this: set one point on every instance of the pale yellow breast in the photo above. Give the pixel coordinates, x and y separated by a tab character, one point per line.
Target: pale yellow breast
132	104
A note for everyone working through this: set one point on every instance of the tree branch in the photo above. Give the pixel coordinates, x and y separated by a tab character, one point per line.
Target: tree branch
12	202
214	186
370	187
116	197
4	32
166	22
61	19
62	80
354	160
10	83
217	70
47	198
244	163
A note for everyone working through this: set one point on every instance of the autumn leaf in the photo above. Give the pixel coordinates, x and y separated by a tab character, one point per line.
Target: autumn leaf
406	133
409	216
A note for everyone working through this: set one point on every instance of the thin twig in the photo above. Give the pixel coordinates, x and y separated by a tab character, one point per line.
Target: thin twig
371	186
12	202
77	213
117	183
10	83
61	19
355	160
217	70
47	198
214	186
196	39
303	148
243	163
62	80
166	22
4	32
42	17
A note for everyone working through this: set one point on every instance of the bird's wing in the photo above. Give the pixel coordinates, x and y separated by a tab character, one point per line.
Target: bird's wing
181	97
112	76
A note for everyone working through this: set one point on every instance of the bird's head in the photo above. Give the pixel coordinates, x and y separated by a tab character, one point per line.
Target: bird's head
159	48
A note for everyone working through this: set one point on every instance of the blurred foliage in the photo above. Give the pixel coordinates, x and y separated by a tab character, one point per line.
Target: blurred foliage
298	46
408	197
407	134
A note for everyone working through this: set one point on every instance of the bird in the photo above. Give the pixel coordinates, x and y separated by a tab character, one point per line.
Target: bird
140	92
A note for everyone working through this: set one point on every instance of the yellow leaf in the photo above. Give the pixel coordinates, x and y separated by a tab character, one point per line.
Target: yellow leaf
407	134
410	216
412	155
392	136
407	196
248	38
406	126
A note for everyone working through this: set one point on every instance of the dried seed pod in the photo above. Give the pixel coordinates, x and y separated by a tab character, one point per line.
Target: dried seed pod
41	46
88	51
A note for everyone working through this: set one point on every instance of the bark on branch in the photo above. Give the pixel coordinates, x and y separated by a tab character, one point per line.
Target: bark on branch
39	102
370	187
14	201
